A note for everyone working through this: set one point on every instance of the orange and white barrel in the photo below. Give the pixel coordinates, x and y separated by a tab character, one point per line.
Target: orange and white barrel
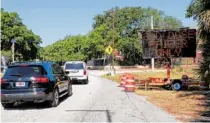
130	84
122	80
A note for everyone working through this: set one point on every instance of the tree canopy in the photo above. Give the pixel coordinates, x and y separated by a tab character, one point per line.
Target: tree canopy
200	11
27	43
127	22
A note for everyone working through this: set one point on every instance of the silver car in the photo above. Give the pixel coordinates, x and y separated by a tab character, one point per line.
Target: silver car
77	71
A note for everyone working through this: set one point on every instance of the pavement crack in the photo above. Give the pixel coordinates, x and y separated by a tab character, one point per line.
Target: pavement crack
145	119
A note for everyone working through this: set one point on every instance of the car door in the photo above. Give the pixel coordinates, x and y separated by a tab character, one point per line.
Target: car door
64	80
63	77
58	77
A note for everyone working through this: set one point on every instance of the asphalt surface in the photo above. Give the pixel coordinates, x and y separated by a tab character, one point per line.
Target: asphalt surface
99	101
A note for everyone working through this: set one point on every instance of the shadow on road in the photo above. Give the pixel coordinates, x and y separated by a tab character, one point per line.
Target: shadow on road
32	105
204	103
107	113
77	83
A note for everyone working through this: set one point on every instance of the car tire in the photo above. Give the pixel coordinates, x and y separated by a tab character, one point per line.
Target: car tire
86	81
55	101
69	90
176	86
7	105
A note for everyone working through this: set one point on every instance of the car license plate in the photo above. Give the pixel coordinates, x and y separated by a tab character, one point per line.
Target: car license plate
20	84
74	71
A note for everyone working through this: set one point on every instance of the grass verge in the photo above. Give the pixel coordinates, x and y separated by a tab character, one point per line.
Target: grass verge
115	78
185	106
146	75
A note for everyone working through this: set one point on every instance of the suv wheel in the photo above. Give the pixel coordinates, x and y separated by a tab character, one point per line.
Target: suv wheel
7	105
70	90
55	101
86	81
176	86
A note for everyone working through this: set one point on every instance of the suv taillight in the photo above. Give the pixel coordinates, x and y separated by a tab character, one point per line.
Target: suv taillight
3	80
84	72
41	80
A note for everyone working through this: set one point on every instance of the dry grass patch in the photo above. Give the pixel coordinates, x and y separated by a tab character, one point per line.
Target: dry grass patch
186	106
174	74
145	75
115	78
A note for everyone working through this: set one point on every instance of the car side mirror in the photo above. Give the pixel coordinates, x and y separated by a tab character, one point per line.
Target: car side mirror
64	77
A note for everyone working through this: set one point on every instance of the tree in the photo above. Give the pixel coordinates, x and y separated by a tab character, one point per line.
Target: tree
27	43
69	48
128	21
200	11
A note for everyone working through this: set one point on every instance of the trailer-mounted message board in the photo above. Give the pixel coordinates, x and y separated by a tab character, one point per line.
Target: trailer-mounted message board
169	43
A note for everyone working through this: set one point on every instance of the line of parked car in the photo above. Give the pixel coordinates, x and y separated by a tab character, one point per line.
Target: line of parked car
40	81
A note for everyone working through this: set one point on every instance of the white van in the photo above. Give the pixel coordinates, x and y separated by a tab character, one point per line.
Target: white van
77	71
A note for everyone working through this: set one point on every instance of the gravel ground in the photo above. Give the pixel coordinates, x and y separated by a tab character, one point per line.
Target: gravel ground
99	101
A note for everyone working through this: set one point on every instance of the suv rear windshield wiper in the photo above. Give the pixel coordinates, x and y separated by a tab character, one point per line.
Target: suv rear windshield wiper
15	75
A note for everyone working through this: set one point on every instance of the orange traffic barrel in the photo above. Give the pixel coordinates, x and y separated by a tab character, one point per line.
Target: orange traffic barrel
130	84
122	80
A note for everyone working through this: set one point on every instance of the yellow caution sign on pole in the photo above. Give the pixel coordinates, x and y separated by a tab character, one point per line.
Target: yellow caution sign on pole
109	50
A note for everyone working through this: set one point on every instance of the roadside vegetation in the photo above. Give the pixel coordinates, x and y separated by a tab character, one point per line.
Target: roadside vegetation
176	73
186	106
27	43
128	21
200	11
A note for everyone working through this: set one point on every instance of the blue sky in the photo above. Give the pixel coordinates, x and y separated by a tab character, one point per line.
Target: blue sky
54	19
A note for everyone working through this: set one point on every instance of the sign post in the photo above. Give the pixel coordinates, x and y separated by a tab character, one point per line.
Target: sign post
153	59
13	49
109	51
168	72
113	39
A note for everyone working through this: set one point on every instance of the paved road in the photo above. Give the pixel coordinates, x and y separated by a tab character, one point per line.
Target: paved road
99	101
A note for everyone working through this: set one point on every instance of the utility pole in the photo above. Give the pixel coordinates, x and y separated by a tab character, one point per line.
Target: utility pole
153	59
77	45
13	50
113	38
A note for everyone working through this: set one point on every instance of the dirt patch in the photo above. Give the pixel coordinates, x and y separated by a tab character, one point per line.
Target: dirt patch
186	106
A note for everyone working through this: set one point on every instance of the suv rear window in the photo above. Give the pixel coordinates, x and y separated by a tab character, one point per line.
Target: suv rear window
74	66
25	71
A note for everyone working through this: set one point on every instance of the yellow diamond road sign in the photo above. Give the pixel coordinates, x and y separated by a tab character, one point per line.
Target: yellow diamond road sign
109	50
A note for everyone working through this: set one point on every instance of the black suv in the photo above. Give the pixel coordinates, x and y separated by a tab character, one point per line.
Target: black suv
34	81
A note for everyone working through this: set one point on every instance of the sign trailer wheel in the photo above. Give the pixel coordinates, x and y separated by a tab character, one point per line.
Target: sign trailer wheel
176	86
